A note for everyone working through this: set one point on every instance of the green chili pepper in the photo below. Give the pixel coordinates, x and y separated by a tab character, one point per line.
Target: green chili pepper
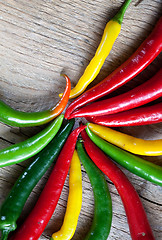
16	118
14	203
21	151
134	164
103	205
136	216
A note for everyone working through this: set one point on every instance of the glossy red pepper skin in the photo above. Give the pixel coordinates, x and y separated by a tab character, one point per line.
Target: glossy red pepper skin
136	216
37	220
140	95
138	116
141	58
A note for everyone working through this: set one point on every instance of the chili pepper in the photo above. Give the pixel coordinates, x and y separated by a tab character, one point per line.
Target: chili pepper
137	116
102	200
14	203
74	201
28	148
140	95
127	142
136	216
141	58
132	163
27	119
110	34
38	218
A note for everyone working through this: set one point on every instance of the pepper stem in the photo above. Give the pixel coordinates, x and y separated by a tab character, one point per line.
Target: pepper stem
119	16
5	234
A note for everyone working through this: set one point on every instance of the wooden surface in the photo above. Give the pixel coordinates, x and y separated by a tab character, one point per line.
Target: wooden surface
40	39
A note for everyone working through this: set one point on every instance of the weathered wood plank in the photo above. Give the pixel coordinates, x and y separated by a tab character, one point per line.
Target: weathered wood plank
38	40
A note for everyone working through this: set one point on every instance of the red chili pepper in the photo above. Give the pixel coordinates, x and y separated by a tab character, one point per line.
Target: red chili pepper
138	116
144	93
37	220
143	56
136	216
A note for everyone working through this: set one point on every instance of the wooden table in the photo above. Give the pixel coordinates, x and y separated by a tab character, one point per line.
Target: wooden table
40	39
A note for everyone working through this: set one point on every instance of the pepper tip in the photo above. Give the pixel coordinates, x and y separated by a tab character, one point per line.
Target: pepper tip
60	95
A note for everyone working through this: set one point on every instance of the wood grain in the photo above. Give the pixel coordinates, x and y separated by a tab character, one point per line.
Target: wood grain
40	39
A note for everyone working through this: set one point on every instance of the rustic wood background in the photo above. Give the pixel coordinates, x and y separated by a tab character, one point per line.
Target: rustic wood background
39	39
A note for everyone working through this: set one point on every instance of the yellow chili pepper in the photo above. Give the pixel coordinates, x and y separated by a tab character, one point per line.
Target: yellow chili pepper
127	142
74	201
110	34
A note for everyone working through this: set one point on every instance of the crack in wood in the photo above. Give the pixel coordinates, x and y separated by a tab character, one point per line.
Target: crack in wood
42	37
5	140
150	201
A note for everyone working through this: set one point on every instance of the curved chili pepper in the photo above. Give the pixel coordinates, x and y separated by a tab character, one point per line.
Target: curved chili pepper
101	224
142	57
142	94
27	119
74	201
127	142
137	116
110	34
132	163
28	148
38	218
136	216
15	201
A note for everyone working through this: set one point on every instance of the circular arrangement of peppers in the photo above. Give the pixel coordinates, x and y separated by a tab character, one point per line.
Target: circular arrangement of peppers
98	148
